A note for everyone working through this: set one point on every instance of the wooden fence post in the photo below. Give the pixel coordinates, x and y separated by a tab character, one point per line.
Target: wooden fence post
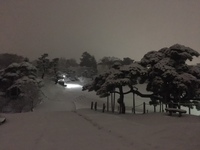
92	104
114	101
104	106
189	110
154	107
107	103
144	108
95	106
162	107
111	101
133	109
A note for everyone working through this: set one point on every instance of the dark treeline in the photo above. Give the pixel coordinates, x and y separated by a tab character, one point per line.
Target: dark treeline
168	76
21	80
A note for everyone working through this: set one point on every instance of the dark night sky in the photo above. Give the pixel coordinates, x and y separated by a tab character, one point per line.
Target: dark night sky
120	28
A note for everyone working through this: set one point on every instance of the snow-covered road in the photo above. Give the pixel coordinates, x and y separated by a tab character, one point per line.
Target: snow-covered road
56	98
59	98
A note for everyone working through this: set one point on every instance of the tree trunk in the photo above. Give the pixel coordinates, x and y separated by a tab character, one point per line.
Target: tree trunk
122	108
42	75
160	103
112	103
56	80
133	110
107	103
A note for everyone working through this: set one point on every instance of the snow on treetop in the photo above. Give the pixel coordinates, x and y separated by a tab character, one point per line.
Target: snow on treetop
167	61
163	67
133	66
4	79
176	51
182	48
134	69
28	66
16	66
19	82
195	70
186	78
114	71
9	74
122	81
169	74
23	80
13	65
32	77
157	81
152	57
164	50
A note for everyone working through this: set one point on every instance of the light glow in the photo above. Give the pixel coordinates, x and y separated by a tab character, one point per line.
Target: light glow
61	80
70	86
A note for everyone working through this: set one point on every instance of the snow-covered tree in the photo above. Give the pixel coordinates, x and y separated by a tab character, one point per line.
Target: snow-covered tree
109	61
88	60
71	62
14	78
43	64
64	64
127	61
54	67
170	77
115	79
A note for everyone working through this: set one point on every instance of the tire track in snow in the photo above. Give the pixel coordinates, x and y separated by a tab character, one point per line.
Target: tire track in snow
106	130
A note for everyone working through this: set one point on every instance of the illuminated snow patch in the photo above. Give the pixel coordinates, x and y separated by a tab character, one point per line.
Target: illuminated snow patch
61	80
70	86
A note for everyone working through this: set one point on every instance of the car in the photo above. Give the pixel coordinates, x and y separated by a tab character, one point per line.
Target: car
62	82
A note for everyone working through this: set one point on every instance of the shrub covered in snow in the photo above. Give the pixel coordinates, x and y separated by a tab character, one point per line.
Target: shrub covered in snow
170	77
18	81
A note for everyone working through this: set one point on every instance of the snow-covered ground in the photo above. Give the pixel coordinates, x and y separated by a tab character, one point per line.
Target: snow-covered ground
64	121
